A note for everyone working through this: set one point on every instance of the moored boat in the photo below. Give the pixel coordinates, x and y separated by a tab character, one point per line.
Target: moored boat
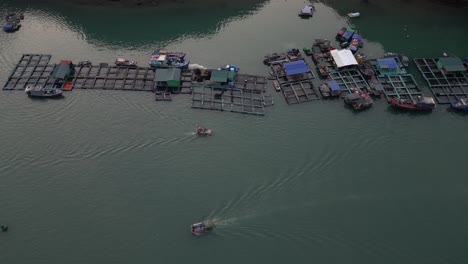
358	100
461	104
276	85
38	91
11	26
275	58
121	62
421	103
307	11
202	227
161	58
330	89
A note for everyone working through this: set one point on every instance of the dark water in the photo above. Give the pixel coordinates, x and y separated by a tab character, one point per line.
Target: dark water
114	177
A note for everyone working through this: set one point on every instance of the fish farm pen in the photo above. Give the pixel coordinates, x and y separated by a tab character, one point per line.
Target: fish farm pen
349	80
446	77
295	79
401	86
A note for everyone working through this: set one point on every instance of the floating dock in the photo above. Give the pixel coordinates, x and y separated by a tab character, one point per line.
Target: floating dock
31	70
401	86
295	81
446	85
232	99
349	80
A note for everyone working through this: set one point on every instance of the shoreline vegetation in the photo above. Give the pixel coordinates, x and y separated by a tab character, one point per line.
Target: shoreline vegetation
159	3
214	3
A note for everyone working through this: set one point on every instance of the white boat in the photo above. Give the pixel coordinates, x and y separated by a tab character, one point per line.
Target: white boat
354	14
277	85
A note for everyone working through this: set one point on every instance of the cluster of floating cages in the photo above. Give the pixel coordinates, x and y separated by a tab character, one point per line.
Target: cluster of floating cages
446	86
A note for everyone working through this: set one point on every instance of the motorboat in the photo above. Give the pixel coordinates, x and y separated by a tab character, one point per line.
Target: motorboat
354	14
404	60
39	91
231	67
11	26
203	131
420	103
307	11
121	62
358	100
275	58
277	85
202	227
461	104
161	58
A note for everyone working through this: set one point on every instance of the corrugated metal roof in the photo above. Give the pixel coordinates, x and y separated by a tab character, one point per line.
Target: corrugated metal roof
343	58
451	64
387	63
219	76
169	74
295	67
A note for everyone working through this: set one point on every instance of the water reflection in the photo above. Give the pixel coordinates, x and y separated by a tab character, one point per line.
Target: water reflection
135	28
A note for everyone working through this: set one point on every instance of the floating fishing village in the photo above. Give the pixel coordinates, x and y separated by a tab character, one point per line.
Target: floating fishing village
346	73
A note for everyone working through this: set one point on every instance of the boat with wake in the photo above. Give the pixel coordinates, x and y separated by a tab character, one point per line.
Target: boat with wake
202	227
461	104
203	131
39	91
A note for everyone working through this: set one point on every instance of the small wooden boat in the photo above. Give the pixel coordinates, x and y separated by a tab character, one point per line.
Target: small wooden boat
277	86
12	26
161	58
358	100
38	91
404	60
461	104
421	103
275	58
202	227
121	62
203	131
354	14
330	88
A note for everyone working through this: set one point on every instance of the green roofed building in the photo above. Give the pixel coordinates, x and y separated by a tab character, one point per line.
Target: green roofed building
169	77
450	64
222	76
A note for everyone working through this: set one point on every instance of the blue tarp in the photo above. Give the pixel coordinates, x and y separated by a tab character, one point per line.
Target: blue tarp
348	34
357	36
387	63
465	59
295	67
333	85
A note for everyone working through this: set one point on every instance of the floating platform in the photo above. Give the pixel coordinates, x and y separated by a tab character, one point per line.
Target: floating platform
402	86
349	80
233	99
446	87
250	82
299	92
31	70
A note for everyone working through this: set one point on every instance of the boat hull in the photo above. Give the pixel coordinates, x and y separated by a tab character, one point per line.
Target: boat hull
409	106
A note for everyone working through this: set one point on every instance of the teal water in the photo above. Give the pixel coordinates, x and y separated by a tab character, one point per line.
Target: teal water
115	177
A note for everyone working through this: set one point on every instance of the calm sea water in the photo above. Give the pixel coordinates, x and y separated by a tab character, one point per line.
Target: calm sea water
115	177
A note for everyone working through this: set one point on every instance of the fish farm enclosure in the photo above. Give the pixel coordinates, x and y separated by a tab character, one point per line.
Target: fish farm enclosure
248	94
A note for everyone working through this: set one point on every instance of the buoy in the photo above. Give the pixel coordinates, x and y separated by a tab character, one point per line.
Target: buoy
4	228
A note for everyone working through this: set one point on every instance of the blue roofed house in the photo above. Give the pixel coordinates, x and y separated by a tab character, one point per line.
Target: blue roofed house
387	66
295	69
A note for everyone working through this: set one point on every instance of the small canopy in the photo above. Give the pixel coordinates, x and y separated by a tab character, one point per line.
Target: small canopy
295	67
387	63
61	71
333	85
308	9
357	36
219	76
343	58
451	64
348	34
171	76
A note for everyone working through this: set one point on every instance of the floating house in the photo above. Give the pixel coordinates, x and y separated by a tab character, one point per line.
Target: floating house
167	78
343	59
222	78
450	65
61	73
387	66
296	70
